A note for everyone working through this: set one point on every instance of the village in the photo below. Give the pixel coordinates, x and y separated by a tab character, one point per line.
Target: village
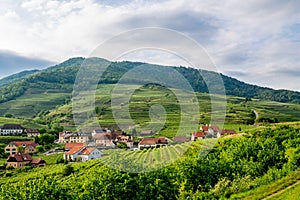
81	147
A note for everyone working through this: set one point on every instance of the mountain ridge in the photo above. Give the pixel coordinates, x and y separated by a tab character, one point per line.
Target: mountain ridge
58	76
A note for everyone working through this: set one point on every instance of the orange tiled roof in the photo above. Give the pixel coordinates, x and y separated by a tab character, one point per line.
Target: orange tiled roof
199	134
152	141
87	150
21	143
72	145
73	150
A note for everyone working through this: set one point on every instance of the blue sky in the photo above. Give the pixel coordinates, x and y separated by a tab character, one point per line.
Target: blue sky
256	41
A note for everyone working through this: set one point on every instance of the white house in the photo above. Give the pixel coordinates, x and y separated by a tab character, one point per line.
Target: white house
90	153
81	152
73	153
11	129
197	136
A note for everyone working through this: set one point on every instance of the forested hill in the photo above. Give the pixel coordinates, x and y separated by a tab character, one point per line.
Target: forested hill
16	77
62	76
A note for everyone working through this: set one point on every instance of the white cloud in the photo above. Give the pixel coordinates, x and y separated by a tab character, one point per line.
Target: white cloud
256	37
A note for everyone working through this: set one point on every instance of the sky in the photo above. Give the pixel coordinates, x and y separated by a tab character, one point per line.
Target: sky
255	41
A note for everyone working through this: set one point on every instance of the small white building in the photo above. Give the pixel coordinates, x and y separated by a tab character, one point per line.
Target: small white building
11	129
90	153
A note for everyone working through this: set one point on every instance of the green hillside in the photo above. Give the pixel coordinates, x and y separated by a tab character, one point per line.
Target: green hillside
239	113
45	97
233	167
16	77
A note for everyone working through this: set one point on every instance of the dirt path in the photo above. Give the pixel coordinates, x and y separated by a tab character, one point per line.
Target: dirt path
256	114
283	190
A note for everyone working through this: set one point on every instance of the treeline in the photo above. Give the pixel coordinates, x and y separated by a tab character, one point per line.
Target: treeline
233	166
63	75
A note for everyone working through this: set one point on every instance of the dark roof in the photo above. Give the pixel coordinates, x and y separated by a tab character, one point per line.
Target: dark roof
108	135
12	126
67	135
181	139
19	158
28	130
231	132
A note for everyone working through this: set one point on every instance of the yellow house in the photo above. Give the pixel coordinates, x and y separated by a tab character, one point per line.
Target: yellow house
29	147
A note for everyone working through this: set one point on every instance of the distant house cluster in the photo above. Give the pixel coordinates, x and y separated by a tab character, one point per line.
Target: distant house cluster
209	131
110	139
17	129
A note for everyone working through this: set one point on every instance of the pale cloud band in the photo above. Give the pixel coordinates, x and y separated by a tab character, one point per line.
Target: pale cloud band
257	38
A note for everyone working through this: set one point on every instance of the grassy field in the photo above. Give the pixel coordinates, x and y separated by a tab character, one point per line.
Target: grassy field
32	103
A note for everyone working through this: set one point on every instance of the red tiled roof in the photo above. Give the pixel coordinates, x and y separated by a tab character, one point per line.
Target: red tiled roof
72	145
37	161
198	134
73	150
205	128
152	141
215	128
21	143
87	150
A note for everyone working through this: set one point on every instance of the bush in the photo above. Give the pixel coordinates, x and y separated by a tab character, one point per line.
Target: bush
10	167
68	170
8	174
60	160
